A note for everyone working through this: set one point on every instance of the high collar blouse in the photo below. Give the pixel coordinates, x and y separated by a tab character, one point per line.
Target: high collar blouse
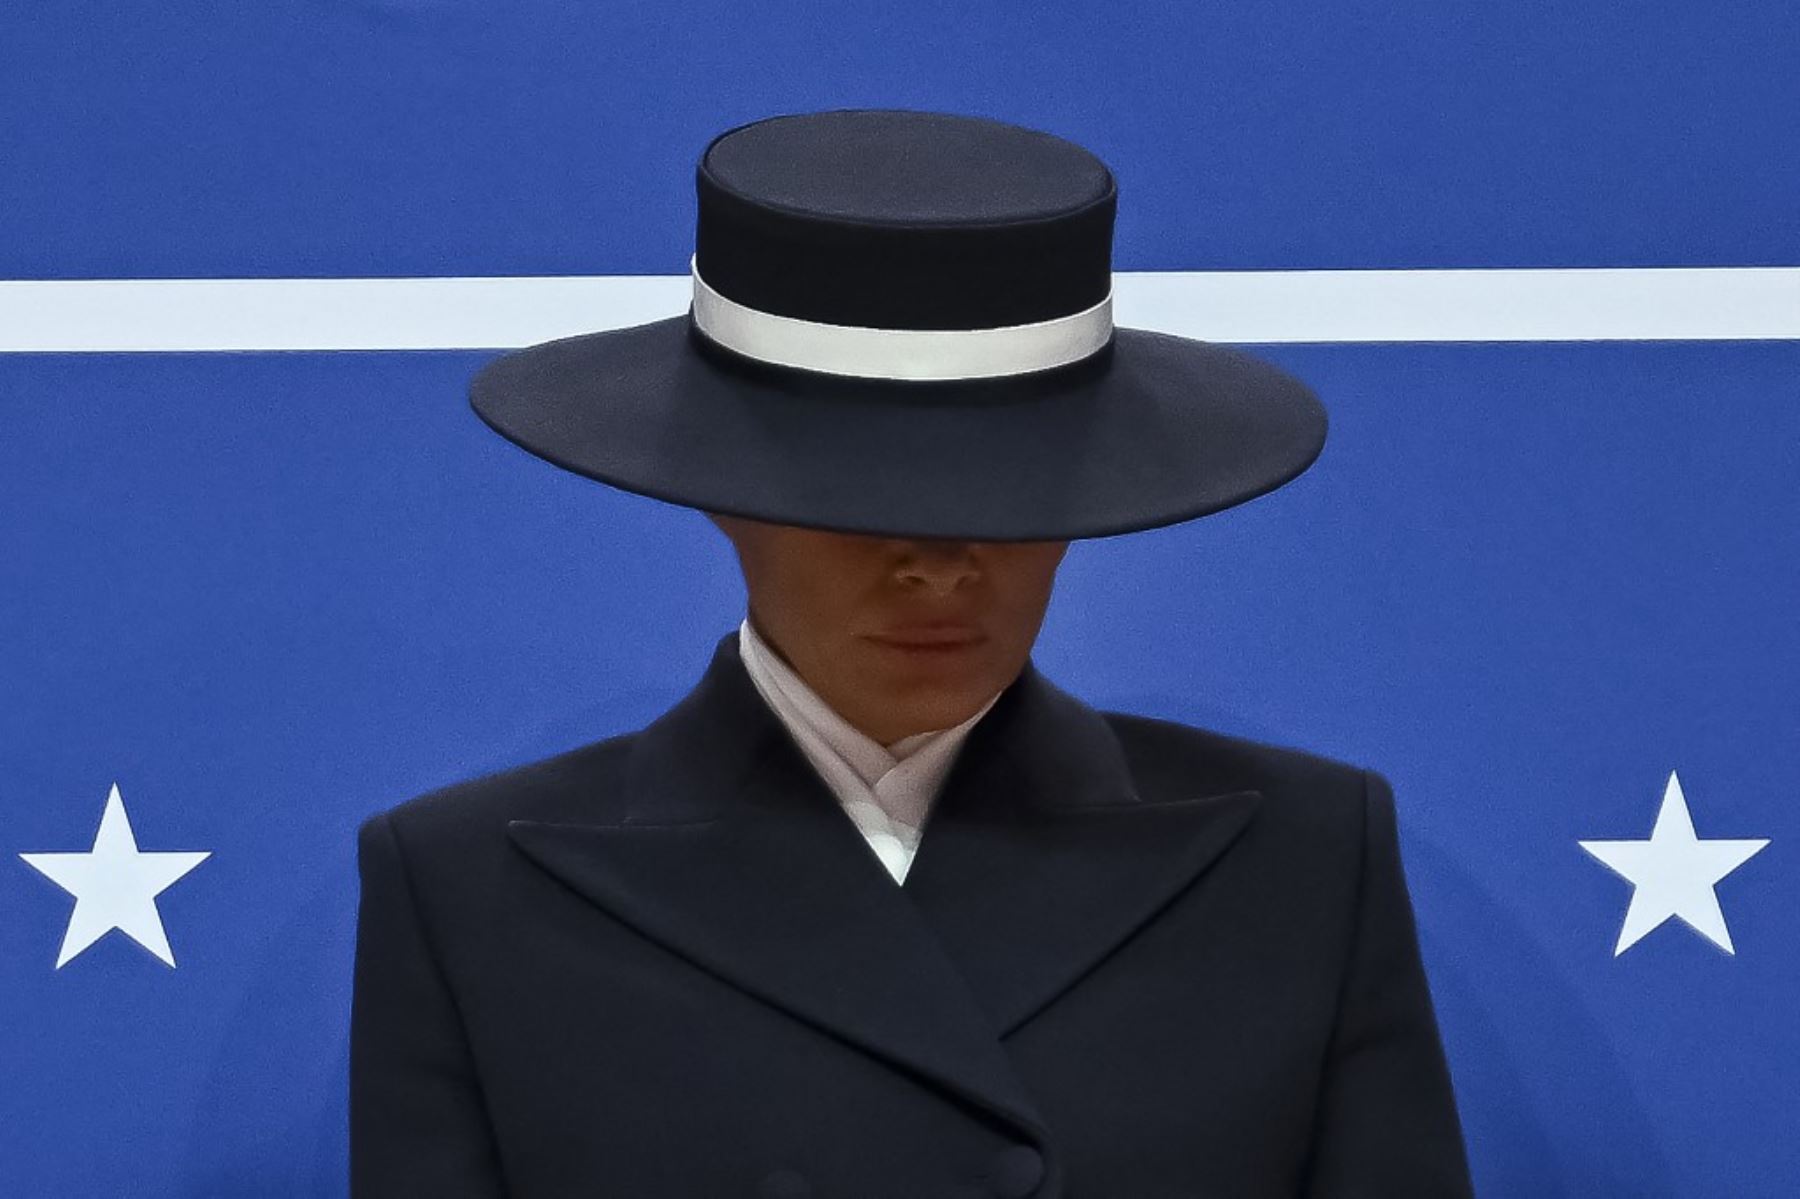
886	790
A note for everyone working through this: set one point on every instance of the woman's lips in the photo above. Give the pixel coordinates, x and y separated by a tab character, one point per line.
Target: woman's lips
929	640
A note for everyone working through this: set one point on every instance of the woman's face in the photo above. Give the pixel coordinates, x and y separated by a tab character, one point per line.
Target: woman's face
900	636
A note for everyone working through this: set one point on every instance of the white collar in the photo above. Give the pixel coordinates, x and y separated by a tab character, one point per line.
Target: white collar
854	764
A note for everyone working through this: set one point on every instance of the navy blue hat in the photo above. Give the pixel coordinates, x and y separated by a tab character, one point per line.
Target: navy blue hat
902	325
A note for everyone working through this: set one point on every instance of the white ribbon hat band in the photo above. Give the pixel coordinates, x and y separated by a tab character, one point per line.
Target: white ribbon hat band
913	354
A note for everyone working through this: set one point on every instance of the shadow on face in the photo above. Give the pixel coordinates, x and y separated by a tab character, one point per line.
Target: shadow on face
898	635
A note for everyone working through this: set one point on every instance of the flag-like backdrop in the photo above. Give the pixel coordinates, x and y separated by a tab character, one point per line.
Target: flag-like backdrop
1550	588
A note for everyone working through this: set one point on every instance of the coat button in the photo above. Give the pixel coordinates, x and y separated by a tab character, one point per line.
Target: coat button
784	1184
1015	1171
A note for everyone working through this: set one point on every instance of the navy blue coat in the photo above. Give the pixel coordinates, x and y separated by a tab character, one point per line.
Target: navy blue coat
1132	960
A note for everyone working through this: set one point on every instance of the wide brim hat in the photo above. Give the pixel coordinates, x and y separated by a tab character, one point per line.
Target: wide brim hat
902	326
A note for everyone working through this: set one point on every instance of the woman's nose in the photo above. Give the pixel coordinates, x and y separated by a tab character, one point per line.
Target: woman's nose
940	566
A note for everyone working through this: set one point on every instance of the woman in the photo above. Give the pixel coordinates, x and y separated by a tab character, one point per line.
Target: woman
878	910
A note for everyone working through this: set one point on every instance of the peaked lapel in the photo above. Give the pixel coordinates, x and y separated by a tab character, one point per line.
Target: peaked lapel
1038	859
1043	853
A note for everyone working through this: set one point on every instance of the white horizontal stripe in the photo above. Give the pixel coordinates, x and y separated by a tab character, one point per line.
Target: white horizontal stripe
919	355
1642	304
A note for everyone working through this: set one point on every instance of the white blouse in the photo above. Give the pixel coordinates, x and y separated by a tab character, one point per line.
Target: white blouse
886	790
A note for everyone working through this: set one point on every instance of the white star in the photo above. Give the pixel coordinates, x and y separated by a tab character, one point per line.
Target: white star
114	885
1673	873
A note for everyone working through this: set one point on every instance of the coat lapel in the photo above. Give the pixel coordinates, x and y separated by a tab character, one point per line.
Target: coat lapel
1043	853
1038	859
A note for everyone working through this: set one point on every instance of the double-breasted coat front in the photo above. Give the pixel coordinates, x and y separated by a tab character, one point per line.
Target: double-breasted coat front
1132	960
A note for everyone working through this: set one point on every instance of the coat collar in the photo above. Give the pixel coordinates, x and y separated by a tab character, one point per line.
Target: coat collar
1039	857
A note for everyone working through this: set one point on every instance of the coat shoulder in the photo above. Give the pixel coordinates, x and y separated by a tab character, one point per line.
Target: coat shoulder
1171	760
572	783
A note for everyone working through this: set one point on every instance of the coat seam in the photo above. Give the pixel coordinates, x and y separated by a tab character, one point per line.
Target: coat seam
1354	942
434	955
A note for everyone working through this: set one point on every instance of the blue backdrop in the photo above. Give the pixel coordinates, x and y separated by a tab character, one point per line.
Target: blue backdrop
268	594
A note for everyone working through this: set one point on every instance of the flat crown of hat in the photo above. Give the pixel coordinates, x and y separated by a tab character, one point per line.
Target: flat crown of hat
896	219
